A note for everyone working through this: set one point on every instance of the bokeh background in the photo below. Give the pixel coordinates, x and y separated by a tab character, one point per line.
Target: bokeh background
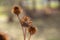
45	15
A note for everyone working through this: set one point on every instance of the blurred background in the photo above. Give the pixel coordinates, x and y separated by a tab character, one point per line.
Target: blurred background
45	15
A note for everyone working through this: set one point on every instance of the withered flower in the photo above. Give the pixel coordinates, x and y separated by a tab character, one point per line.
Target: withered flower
3	36
26	21
16	10
32	30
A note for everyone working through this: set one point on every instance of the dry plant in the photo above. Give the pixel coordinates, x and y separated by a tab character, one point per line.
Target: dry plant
3	36
25	21
31	30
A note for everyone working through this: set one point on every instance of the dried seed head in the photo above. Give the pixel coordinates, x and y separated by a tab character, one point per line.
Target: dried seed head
26	21
3	36
32	30
16	10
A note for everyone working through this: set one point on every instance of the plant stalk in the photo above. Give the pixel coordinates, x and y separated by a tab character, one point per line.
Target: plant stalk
23	29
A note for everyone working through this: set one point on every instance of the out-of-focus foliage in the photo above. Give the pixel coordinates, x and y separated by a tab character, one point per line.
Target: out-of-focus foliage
54	4
2	9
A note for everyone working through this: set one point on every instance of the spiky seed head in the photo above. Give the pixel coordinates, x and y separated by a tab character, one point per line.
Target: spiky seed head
26	21
16	10
32	30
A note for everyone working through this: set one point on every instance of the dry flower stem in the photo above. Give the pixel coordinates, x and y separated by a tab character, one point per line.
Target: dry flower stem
24	30
29	37
25	34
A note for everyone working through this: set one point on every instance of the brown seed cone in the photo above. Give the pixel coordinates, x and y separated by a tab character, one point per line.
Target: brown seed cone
26	21
16	10
3	36
32	30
